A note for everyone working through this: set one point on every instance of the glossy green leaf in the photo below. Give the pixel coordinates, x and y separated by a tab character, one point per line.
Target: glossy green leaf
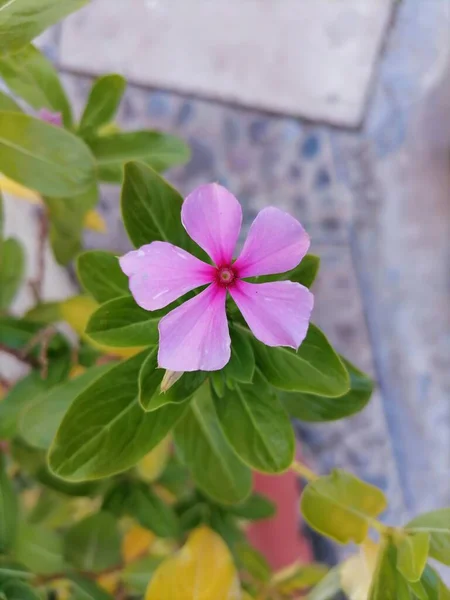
254	508
8	510
328	587
94	543
18	590
32	77
430	586
437	524
241	366
151	208
384	582
305	273
257	426
412	555
40	549
23	20
7	103
313	408
121	322
45	158
253	562
42	416
202	446
12	267
340	506
152	512
137	574
315	368
67	218
157	150
403	590
150	378
100	275
103	102
105	430
86	589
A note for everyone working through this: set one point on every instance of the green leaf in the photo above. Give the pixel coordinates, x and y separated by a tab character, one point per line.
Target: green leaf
328	587
23	20
257	426
100	275
39	549
8	510
12	267
300	577
437	524
157	150
384	582
42	416
151	208
12	570
253	562
42	157
254	508
18	590
2	216
241	366
105	430
412	555
87	589
315	368
67	217
340	506
202	446
103	102
313	408
93	544
121	322
150	377
32	77
15	400
305	273
7	103
137	574
403	590
151	512
45	312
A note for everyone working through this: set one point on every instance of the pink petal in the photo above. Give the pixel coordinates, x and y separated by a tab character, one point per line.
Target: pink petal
194	336
277	313
161	272
275	243
212	217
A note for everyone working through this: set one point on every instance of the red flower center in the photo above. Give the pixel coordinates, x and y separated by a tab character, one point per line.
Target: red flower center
225	276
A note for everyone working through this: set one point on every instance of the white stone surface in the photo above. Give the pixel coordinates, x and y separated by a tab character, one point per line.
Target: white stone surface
309	58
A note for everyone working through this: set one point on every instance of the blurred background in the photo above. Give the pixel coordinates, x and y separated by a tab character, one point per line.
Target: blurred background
337	111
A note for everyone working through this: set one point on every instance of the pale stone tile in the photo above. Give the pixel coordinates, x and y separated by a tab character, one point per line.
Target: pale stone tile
313	59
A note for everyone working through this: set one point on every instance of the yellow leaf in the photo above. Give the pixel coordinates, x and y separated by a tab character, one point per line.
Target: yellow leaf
76	370
358	570
77	311
19	191
136	542
94	221
154	463
108	582
202	570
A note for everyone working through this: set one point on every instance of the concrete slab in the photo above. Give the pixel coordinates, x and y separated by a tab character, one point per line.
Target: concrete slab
307	58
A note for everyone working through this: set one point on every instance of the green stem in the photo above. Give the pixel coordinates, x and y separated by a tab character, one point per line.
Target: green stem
303	471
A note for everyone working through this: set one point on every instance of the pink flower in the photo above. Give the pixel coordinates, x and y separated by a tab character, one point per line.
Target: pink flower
195	336
54	118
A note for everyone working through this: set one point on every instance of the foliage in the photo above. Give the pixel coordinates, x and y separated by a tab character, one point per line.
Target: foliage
120	480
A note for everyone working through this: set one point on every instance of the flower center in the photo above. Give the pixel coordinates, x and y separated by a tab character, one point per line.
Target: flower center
225	276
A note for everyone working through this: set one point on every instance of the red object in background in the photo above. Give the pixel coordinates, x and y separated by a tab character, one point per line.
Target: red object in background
279	539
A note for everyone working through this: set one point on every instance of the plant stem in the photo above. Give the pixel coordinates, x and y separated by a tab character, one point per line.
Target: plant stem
37	283
29	360
303	471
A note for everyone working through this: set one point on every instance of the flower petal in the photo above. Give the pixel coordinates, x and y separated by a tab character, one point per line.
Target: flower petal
195	336
275	243
277	313
161	272
212	216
